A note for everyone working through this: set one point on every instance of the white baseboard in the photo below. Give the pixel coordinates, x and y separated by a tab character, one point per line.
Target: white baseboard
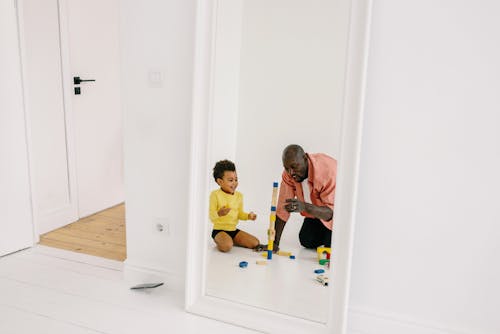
76	257
133	272
137	273
364	321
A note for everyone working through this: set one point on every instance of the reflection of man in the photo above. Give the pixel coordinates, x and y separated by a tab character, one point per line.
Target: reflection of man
307	186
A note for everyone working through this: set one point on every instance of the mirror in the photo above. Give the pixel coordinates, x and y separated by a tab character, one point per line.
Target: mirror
278	80
269	74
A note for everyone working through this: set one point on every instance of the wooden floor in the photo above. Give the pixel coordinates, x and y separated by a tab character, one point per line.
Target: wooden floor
102	234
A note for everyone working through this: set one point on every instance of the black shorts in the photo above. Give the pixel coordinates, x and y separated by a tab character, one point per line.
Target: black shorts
314	234
232	234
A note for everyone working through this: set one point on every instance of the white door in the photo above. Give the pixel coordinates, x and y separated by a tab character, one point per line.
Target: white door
76	140
16	229
94	54
53	176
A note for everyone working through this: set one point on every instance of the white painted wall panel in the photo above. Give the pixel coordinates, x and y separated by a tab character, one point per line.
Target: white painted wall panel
226	80
427	235
157	36
15	206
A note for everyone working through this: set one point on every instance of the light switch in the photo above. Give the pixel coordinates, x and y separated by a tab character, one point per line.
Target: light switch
155	78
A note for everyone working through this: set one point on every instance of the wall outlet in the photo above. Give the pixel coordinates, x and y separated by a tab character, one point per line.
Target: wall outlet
161	226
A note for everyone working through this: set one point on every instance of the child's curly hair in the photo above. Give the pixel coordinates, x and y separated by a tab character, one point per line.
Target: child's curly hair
221	167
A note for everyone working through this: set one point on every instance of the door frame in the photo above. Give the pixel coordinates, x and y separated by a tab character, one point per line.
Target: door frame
69	212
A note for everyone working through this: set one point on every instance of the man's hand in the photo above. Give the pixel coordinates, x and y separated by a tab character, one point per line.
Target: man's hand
276	248
252	216
223	211
263	248
260	248
294	205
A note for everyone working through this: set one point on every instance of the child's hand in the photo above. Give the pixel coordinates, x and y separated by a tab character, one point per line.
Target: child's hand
223	211
252	216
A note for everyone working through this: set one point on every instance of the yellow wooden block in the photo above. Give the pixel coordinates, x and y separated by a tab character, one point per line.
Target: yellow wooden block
283	253
324	252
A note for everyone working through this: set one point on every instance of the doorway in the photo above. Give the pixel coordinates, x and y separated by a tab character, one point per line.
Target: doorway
101	234
75	126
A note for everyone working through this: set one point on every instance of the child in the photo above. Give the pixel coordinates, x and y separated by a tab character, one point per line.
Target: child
226	209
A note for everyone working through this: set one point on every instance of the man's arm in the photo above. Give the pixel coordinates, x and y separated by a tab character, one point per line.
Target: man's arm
279	225
287	190
320	212
294	205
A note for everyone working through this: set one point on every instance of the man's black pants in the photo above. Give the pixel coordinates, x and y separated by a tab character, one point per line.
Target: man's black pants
314	234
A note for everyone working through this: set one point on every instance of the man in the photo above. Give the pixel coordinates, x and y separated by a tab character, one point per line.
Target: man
308	187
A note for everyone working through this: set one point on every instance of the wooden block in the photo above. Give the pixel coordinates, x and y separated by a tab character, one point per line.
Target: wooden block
283	253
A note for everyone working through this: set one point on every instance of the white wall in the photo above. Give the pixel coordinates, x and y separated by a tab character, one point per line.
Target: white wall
291	80
426	246
157	43
15	206
291	73
290	91
226	80
427	236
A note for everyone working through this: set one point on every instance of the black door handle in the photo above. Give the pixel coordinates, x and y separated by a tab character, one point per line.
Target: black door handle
77	80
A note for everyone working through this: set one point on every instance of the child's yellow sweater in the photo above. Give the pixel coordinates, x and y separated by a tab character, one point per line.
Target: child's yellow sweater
219	199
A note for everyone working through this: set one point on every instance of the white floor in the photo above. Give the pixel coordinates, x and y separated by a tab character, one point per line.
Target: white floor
44	290
283	285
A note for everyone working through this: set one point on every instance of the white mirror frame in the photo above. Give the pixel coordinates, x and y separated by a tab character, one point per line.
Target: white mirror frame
196	299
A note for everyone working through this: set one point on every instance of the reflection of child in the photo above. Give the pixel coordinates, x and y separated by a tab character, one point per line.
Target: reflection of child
226	209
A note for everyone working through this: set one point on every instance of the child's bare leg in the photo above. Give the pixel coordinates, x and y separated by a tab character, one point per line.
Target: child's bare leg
244	239
223	241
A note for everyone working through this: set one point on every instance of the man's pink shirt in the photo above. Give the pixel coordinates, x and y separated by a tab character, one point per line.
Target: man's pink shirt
322	176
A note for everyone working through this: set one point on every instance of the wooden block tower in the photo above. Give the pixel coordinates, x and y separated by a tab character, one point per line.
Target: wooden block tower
271	233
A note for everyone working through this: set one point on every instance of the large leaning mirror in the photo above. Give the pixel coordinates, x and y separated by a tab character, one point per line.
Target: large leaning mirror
269	74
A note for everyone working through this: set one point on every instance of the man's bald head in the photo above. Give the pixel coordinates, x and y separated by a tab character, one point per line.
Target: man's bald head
295	162
292	152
